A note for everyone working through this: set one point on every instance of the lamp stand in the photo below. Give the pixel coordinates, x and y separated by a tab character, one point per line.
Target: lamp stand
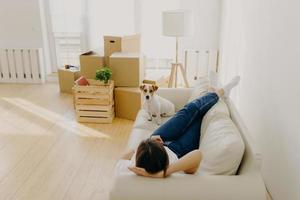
174	71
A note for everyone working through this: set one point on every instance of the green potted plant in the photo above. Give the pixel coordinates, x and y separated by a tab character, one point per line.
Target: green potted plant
104	74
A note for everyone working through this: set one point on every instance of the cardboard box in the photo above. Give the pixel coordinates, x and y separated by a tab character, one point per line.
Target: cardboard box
66	79
131	43
90	62
111	44
127	68
127	102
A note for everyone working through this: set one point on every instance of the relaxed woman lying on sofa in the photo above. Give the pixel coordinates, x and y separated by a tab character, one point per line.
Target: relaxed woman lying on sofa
173	147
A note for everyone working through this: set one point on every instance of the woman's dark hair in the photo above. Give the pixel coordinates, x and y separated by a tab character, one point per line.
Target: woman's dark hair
152	156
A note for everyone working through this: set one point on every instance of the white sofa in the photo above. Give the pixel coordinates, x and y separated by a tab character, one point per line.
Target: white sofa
246	185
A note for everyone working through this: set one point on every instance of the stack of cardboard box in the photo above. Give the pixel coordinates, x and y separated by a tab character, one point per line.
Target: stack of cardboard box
123	56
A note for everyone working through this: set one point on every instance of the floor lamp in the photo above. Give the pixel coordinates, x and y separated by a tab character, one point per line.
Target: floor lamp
177	23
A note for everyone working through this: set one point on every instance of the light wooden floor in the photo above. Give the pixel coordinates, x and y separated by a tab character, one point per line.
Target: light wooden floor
46	154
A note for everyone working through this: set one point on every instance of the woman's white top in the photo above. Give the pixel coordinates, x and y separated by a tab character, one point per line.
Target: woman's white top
172	156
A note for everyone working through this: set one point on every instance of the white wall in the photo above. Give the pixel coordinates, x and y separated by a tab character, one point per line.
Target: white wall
154	44
67	15
207	17
20	25
260	41
206	24
109	17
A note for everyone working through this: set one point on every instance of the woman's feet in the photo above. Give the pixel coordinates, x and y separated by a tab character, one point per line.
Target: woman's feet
226	89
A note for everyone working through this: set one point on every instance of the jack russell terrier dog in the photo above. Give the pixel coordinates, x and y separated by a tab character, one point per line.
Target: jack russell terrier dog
155	105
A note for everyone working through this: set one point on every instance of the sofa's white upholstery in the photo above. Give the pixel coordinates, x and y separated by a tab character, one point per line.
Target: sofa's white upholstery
179	96
246	185
143	122
191	187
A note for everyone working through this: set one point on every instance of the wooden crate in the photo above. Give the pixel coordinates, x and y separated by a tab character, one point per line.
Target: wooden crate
94	103
95	114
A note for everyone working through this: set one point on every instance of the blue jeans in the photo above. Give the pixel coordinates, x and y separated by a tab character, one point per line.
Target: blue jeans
181	133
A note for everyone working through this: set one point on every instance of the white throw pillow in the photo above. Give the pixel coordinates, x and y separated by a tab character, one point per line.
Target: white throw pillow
220	108
222	147
200	89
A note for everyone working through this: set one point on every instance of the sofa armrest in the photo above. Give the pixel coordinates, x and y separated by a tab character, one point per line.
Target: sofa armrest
181	186
178	96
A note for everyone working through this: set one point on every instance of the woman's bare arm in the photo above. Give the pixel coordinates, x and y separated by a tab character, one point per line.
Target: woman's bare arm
188	163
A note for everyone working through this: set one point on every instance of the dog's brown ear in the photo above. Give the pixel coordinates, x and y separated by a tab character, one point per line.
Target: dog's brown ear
155	87
142	87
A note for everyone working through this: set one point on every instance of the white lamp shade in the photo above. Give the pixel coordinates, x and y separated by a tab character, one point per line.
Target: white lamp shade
177	23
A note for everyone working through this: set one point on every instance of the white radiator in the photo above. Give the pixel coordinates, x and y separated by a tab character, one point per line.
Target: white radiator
199	63
21	66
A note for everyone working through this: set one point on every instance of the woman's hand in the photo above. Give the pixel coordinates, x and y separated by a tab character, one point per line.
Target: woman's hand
142	172
157	138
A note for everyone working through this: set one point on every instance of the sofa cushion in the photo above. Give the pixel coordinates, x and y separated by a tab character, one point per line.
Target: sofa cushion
220	108
222	147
